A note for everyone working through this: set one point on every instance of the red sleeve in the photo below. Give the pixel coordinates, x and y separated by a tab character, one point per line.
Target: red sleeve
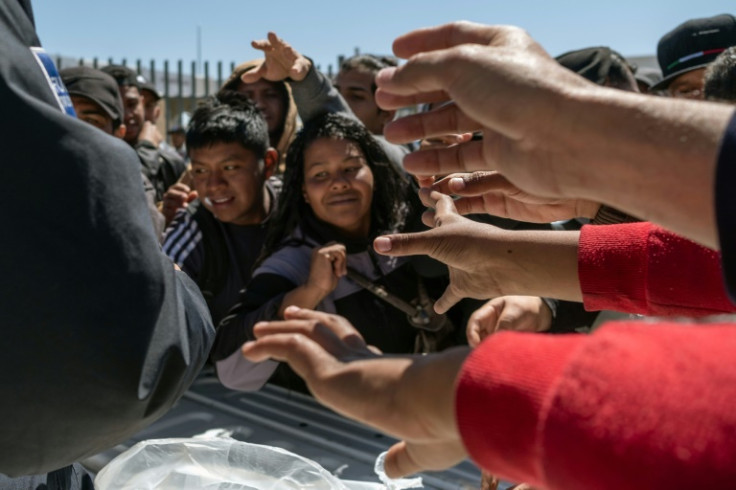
631	406
641	268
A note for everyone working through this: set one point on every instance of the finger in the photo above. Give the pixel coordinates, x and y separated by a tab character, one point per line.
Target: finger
192	196
473	183
428	218
464	157
445	36
390	101
479	322
406	458
340	326
260	44
305	356
448	299
253	75
404	244
448	119
339	263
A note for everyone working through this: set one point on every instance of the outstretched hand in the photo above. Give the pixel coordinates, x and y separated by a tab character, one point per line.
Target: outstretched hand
281	61
409	397
492	193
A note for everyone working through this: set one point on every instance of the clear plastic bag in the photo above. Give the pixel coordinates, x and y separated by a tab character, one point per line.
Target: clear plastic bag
217	463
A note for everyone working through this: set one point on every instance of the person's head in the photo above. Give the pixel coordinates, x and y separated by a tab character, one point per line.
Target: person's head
95	97
151	97
720	78
178	129
356	83
337	173
133	117
601	65
271	98
227	143
646	78
685	52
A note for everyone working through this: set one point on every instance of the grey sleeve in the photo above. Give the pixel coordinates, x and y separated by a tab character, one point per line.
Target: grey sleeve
315	96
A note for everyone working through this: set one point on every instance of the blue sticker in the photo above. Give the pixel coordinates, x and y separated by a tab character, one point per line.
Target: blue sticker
55	83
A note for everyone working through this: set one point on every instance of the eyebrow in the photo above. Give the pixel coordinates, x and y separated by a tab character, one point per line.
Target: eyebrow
228	158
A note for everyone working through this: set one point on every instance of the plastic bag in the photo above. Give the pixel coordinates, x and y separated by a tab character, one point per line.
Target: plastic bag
216	463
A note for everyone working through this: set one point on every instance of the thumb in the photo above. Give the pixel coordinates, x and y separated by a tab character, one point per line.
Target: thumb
191	196
447	300
405	244
255	74
406	458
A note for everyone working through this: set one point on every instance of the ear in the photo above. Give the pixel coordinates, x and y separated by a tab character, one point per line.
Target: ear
120	131
270	162
156	112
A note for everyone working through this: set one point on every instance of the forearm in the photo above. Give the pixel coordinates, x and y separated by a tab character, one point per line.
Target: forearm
653	158
536	263
304	296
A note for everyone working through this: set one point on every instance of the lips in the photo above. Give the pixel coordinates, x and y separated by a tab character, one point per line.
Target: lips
342	199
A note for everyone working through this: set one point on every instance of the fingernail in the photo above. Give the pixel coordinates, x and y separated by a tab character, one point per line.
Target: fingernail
382	244
385	75
291	309
457	184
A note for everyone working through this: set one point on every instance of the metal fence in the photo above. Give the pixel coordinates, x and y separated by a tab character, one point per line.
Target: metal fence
180	86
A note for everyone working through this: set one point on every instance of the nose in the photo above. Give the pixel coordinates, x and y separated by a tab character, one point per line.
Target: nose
339	181
215	179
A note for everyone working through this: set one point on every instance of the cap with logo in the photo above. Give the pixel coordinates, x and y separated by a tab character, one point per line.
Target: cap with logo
694	44
95	85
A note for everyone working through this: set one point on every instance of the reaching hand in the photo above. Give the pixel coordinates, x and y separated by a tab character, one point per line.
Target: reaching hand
520	313
282	61
503	84
492	193
409	397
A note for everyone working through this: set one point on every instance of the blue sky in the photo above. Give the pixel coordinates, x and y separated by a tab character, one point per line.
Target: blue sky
167	29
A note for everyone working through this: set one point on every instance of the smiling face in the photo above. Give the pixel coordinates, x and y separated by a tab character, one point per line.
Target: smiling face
134	112
229	180
338	185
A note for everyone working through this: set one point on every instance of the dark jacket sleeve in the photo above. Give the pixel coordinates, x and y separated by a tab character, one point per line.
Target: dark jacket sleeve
101	334
260	301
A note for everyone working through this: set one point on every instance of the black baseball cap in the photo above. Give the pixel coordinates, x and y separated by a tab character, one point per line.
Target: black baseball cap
95	85
144	84
590	63
692	45
123	75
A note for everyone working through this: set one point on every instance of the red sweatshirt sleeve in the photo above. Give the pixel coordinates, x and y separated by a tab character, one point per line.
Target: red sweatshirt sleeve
641	268
631	406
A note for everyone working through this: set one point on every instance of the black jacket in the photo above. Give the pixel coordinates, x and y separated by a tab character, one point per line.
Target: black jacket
100	334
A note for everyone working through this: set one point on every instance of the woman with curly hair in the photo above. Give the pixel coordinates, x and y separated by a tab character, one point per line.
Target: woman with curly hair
339	193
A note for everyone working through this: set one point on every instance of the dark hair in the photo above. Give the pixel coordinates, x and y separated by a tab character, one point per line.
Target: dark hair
369	63
226	118
394	197
720	77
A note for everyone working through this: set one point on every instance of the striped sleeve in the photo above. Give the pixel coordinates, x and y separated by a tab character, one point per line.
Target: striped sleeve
183	244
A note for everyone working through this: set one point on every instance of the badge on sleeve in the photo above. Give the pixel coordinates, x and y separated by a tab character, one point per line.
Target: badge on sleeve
55	83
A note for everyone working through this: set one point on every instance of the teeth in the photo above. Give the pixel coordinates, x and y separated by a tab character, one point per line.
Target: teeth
209	201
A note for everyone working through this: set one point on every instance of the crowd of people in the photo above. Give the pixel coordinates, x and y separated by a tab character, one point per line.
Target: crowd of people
401	270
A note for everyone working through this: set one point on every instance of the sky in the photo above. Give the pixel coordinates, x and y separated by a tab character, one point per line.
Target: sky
322	30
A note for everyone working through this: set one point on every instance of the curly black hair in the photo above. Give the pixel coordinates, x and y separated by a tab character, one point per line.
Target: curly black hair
394	193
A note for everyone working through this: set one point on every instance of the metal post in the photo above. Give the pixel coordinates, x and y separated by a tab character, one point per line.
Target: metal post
193	103
206	78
